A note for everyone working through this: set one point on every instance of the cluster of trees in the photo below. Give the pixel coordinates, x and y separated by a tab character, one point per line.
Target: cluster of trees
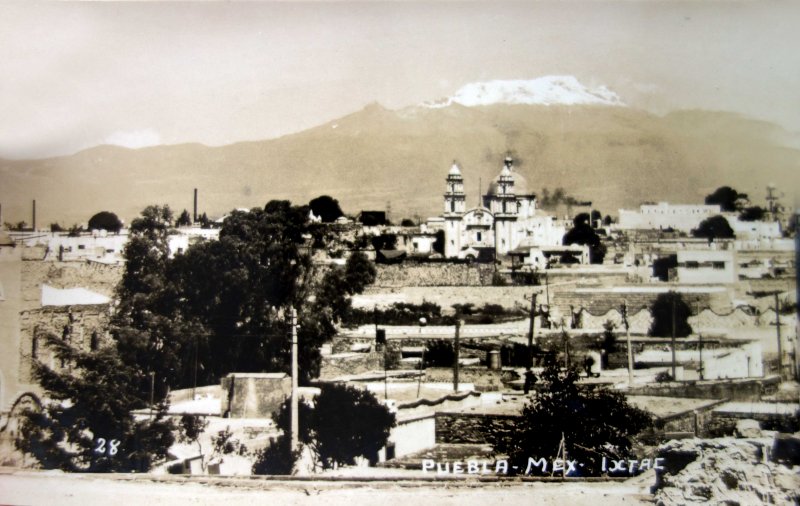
222	302
729	201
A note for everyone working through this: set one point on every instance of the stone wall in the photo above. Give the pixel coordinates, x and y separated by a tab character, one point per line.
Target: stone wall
734	390
77	324
345	364
484	380
600	302
99	278
433	274
471	428
445	296
722	423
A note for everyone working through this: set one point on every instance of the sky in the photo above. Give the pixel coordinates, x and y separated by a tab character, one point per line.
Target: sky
76	75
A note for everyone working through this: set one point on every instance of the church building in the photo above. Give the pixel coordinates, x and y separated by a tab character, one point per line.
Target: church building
505	220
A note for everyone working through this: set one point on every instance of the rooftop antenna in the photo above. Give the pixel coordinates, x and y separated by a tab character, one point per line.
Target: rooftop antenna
480	190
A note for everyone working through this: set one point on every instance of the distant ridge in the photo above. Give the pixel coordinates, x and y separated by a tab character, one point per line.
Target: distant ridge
614	156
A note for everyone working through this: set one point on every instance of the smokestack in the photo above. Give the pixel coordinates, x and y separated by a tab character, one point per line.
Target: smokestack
34	216
194	216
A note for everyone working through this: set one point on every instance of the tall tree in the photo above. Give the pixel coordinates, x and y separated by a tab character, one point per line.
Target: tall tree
184	220
105	220
326	207
715	227
662	311
147	325
582	233
87	424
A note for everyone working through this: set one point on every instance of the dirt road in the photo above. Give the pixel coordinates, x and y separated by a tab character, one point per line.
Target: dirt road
34	488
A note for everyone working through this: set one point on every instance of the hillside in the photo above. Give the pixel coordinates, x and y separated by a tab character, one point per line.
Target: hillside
615	156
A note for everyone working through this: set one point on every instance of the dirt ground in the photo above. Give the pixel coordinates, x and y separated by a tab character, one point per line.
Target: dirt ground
34	488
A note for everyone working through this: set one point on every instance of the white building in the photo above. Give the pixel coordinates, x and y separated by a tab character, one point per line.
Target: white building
707	267
664	215
753	230
505	220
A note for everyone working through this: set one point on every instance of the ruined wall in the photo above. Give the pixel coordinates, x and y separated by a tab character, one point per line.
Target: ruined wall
470	428
81	326
99	278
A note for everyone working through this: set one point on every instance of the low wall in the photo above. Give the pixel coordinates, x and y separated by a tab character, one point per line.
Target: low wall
185	394
343	364
509	297
484	379
724	423
734	390
410	436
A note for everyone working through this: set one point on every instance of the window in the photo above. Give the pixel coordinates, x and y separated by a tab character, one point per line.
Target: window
81	246
692	264
718	265
478	236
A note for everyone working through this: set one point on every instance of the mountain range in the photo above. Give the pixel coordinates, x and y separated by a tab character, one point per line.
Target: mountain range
560	134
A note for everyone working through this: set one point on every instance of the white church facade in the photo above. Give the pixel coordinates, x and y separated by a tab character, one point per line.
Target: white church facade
506	220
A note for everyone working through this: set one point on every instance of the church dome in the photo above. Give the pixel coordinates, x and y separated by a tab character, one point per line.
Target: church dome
520	183
454	170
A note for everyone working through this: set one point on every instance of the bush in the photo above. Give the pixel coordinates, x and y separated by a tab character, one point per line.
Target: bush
439	353
276	458
592	423
663	377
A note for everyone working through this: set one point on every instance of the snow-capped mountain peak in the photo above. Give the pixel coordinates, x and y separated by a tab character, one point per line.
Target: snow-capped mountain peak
547	90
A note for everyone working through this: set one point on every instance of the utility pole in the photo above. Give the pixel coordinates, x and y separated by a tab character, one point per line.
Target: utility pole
628	339
529	363
797	285
778	332
700	346
295	426
456	352
673	337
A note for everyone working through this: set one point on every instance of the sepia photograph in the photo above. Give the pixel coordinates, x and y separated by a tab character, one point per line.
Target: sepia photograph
374	252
